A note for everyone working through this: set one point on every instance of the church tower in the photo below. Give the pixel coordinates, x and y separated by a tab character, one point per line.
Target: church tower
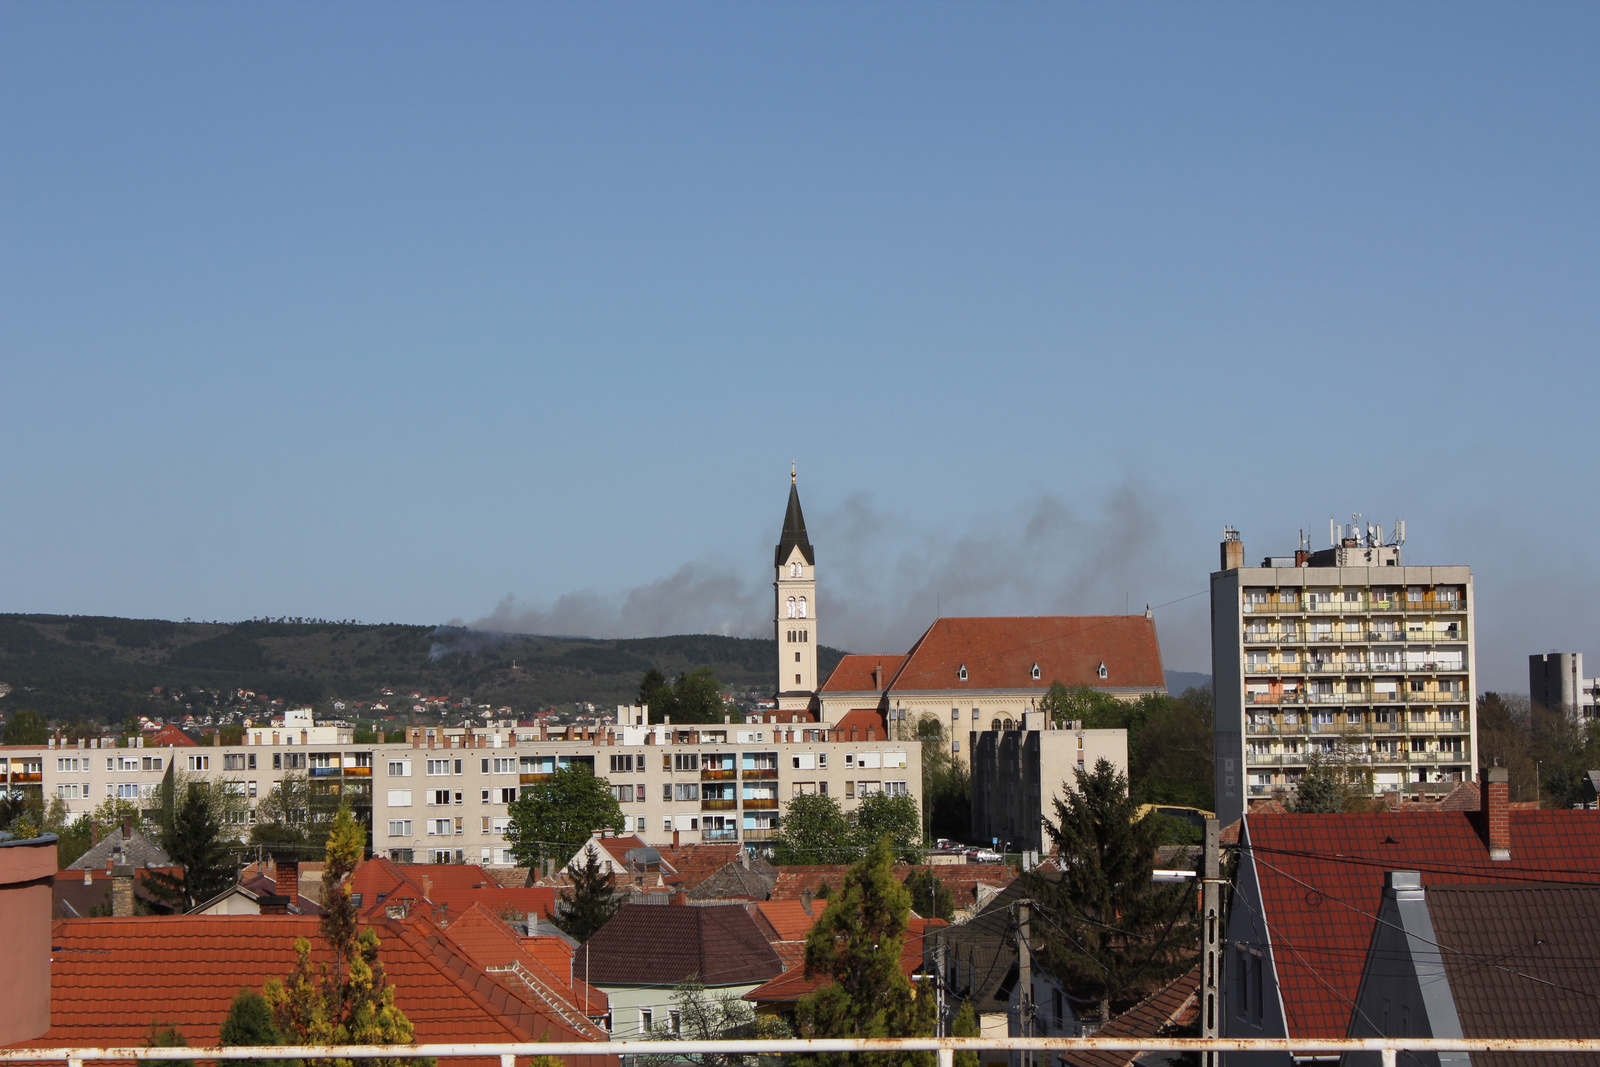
795	613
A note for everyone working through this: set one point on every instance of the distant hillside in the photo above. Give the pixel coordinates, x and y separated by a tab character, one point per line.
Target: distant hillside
1178	681
102	669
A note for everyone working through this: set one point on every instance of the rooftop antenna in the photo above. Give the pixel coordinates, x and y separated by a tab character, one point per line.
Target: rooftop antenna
1333	533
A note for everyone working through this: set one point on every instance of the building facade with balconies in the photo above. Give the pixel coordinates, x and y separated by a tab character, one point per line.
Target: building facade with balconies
1343	656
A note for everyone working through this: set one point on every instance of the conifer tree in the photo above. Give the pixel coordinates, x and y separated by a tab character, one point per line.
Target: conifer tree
855	946
1108	932
347	1001
966	1025
193	839
249	1022
590	904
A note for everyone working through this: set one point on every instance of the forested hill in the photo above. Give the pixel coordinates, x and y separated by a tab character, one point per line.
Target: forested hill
102	669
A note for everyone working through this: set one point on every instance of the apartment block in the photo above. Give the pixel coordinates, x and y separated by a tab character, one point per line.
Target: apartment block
1556	681
1021	769
1345	655
443	796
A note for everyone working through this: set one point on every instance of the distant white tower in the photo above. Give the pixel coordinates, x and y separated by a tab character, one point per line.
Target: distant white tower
795	609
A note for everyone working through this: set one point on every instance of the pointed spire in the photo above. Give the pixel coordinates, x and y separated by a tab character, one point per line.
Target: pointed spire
794	528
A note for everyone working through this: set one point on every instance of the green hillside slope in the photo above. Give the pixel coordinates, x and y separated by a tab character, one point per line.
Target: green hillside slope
101	669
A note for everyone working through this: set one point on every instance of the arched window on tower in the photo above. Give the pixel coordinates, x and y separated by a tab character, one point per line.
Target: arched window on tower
802	607
797	570
792	608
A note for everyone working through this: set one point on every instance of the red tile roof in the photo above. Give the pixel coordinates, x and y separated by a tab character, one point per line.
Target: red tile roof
1321	879
451	888
491	943
170	736
110	978
861	724
793	983
962	879
788	918
854	674
1000	653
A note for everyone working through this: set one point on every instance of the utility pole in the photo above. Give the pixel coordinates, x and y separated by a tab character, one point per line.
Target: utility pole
1024	979
938	983
1211	919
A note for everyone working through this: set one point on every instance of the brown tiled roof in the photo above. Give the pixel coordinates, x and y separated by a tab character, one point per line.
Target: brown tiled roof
1321	879
70	898
1000	653
1522	961
1162	1014
962	879
661	945
854	674
110	978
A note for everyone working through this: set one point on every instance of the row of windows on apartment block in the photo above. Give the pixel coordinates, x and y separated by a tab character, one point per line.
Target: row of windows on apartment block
1376	594
717	827
1446	716
670	792
629	763
1379	747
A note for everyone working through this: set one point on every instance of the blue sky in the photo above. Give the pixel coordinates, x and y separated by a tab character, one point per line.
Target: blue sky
431	312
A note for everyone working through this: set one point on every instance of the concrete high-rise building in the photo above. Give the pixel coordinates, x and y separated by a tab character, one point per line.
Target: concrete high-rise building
1342	655
1556	681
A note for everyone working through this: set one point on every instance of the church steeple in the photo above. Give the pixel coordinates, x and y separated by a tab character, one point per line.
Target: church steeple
794	530
795	609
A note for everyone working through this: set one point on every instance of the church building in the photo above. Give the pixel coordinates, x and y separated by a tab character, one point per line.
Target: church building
975	674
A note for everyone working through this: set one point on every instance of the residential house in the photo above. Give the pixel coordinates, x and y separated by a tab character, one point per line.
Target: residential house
979	964
1171	1011
780	995
644	952
258	893
383	888
1498	959
501	950
1309	887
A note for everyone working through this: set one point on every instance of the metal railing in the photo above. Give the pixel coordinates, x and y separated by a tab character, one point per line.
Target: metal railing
945	1047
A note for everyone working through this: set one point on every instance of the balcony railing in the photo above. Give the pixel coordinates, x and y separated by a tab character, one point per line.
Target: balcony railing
729	834
718	805
759	773
711	774
760	803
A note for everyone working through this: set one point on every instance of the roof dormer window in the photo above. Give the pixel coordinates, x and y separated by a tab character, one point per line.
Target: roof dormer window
1101	670
962	673
1035	672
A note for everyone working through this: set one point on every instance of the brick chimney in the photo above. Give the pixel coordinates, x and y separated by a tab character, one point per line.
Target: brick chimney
805	900
680	899
122	890
286	873
1497	812
127	828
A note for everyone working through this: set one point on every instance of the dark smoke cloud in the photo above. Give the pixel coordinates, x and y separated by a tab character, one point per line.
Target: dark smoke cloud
884	579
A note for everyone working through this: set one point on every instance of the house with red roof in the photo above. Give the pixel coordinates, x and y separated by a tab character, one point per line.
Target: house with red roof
1309	888
170	736
491	943
647	949
441	890
112	978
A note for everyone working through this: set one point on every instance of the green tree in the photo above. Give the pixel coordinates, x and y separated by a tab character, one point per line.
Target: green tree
553	818
704	1017
966	1025
1096	710
946	787
167	1035
929	896
1333	783
897	818
195	844
813	829
26	727
590	903
249	1023
292	813
697	697
855	949
650	687
1170	759
1110	933
348	999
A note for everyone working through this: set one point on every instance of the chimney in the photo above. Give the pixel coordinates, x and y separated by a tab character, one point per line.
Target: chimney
877	677
427	887
805	900
286	873
1497	812
680	899
127	827
1232	549
674	839
94	833
122	890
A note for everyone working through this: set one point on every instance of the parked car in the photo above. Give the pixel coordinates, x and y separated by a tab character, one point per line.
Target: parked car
983	855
